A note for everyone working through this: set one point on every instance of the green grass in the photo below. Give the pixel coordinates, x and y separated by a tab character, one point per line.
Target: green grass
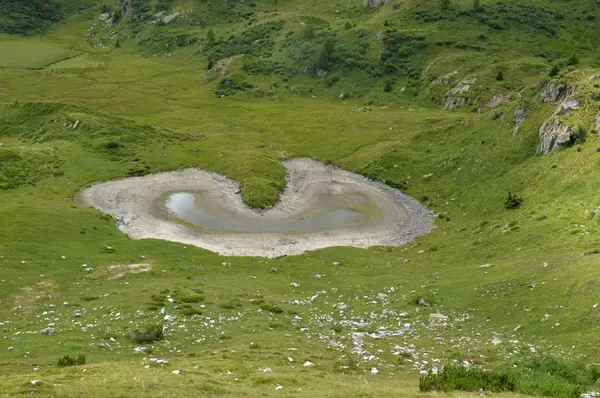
31	53
152	100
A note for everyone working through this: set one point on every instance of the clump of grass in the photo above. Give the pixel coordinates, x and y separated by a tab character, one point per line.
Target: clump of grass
187	297
190	311
147	334
68	360
271	308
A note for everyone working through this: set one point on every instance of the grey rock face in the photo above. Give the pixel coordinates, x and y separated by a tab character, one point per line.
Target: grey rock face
450	103
374	3
518	118
498	100
556	92
567	106
105	17
554	134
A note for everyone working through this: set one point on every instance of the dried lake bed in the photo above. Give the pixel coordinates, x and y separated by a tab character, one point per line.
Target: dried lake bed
321	206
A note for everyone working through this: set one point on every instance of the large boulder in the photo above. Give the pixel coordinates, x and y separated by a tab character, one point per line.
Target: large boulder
518	118
556	92
555	134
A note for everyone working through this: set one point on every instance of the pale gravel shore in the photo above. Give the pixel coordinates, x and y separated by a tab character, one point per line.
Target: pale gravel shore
311	186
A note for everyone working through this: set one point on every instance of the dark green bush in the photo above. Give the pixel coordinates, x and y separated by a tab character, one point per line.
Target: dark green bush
71	361
190	311
271	308
147	334
512	201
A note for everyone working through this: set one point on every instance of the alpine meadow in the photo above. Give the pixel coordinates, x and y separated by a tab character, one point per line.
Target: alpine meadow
348	198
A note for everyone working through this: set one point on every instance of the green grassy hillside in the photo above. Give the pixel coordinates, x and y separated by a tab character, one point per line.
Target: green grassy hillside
227	86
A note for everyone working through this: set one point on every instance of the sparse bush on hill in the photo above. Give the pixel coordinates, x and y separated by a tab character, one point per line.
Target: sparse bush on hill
512	201
71	361
147	334
539	376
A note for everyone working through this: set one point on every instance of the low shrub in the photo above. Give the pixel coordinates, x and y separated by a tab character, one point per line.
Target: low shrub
68	360
147	334
512	201
453	378
271	308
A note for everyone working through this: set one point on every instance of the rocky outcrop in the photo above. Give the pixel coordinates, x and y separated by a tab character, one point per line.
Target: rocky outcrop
374	3
518	118
499	100
556	92
456	96
171	17
450	103
567	106
444	79
598	124
127	9
555	134
104	17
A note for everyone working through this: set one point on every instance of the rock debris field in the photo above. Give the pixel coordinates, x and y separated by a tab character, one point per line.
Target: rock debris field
313	190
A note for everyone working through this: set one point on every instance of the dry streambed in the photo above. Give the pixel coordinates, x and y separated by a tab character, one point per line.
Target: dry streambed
322	206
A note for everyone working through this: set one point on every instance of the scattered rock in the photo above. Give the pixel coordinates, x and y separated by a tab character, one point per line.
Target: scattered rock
308	364
176	372
496	341
168	318
594	77
518	118
421	301
438	319
486	265
554	134
47	331
567	106
597	125
105	17
374	371
341	306
35	382
555	92
517	328
279	387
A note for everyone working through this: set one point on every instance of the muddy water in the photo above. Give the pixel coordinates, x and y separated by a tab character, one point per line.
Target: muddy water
184	206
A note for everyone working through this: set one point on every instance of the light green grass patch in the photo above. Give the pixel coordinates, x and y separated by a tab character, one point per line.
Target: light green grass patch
82	61
31	54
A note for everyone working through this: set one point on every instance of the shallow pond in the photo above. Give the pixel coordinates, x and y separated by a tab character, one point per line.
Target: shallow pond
183	206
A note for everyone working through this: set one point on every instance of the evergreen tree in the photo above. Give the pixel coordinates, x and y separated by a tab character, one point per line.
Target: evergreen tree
210	36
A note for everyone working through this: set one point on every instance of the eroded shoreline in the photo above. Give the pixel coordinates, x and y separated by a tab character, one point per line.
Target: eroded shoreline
310	185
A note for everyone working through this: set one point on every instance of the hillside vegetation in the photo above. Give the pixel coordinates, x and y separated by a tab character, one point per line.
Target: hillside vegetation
486	112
